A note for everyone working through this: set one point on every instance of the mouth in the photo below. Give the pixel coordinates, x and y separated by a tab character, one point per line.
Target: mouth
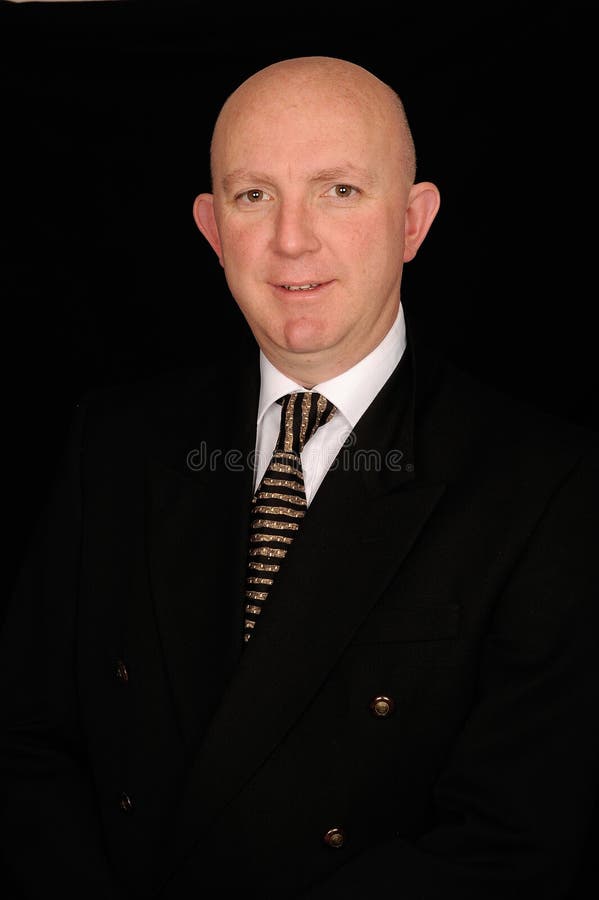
301	287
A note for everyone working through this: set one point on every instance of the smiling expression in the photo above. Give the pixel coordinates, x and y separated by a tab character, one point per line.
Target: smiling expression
312	179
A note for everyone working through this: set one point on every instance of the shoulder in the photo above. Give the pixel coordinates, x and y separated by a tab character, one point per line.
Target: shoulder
199	388
161	410
470	423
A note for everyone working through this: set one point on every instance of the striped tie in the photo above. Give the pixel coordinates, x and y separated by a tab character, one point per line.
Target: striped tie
279	504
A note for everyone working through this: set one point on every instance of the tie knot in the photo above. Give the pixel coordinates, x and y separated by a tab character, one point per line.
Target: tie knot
302	413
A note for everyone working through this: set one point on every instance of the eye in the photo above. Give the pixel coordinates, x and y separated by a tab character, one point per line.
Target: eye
343	190
254	195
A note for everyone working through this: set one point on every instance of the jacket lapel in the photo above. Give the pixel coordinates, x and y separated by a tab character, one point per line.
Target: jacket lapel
197	527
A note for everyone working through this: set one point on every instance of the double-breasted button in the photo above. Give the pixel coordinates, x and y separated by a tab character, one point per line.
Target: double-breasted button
382	706
122	672
125	803
334	837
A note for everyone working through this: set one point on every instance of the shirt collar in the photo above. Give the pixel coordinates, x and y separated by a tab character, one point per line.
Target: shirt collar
353	391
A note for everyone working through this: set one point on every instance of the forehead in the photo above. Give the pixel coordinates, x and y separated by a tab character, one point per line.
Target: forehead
303	133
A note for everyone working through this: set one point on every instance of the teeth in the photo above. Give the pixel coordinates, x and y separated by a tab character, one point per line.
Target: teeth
300	287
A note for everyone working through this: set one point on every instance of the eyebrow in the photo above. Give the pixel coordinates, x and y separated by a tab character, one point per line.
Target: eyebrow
243	176
345	173
340	174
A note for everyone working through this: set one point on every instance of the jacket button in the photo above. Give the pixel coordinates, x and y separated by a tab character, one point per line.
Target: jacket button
125	803
334	837
121	672
382	706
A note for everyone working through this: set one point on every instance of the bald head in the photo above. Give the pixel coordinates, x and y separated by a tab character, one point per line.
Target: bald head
302	82
314	209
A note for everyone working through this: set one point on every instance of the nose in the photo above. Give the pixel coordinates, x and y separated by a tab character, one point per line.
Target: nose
295	230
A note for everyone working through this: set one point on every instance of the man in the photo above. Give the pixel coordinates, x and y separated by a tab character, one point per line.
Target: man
381	679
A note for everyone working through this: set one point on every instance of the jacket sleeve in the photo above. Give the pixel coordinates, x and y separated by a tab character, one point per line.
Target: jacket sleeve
514	802
50	834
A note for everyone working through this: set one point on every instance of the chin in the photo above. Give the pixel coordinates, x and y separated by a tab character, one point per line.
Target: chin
305	336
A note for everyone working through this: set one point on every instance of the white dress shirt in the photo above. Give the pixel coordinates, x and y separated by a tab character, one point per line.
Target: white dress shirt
352	392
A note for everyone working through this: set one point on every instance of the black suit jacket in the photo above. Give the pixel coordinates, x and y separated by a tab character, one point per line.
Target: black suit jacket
447	564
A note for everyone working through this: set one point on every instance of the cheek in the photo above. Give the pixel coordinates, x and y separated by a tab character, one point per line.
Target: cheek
241	241
376	261
243	261
367	245
237	245
383	240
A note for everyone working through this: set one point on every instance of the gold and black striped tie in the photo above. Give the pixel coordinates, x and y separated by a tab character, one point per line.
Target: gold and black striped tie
279	504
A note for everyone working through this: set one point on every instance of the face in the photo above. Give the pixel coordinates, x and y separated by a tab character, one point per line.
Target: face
310	218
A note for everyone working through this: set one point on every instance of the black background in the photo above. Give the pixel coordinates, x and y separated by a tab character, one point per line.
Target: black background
106	115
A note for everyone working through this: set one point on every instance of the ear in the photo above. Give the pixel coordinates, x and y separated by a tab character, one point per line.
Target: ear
423	205
203	213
